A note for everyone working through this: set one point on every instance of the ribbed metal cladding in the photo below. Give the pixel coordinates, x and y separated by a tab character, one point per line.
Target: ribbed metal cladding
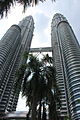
58	63
27	27
8	45
7	42
70	59
13	44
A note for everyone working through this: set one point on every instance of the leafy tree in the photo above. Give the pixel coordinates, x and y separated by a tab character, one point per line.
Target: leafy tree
67	118
5	5
40	89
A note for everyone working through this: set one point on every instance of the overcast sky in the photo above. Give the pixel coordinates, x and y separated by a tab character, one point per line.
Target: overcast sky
43	14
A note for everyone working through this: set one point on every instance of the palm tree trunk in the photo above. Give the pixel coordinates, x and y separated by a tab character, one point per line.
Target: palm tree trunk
39	115
44	112
34	105
28	114
52	111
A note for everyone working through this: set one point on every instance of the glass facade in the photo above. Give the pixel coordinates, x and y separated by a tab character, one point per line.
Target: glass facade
66	44
13	44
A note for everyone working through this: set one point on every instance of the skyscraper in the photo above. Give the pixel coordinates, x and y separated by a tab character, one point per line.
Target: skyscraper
14	43
66	54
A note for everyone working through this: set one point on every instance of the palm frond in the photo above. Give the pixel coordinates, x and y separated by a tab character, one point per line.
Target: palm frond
5	5
42	85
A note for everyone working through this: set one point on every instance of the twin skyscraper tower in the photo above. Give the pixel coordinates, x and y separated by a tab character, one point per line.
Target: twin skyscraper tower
66	59
13	45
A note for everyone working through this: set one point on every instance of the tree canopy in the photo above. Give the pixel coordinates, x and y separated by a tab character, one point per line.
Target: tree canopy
40	88
5	5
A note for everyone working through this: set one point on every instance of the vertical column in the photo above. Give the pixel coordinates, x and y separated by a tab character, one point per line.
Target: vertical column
67	56
8	46
71	51
7	42
27	27
59	65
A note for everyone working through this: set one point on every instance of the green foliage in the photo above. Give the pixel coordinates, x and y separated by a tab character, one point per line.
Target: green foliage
47	58
25	55
78	100
5	5
39	87
20	72
66	118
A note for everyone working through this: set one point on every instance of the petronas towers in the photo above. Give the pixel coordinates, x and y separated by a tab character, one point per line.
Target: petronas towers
14	43
66	59
66	54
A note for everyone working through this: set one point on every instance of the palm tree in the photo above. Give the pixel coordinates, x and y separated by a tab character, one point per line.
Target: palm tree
40	89
5	5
